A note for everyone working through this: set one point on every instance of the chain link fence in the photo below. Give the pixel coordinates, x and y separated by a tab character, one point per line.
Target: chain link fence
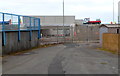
86	33
55	34
76	33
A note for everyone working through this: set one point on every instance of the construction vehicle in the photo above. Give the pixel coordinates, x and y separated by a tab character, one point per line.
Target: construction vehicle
87	21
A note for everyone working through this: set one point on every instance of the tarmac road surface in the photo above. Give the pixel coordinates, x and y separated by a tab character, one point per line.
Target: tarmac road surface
71	58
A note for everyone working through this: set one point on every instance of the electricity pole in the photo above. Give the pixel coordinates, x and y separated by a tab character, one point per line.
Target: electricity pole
113	11
63	24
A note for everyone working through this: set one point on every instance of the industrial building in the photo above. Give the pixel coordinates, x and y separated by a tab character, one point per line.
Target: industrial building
56	20
119	12
53	25
109	28
79	21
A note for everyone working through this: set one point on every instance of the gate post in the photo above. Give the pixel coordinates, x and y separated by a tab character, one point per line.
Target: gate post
0	53
0	43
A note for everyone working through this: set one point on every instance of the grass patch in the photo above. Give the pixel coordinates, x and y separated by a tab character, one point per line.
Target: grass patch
111	51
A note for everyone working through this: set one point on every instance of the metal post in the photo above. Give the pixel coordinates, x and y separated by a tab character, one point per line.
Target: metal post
18	28
118	20
63	23
3	17
57	33
73	29
113	11
34	24
72	32
30	33
3	29
87	34
39	35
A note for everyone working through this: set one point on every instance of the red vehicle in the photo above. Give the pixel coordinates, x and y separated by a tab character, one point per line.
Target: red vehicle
87	21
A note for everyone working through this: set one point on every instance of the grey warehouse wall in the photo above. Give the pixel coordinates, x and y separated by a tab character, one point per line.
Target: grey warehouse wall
79	21
13	45
56	20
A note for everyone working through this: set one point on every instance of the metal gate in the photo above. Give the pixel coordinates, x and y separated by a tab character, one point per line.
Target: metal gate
86	33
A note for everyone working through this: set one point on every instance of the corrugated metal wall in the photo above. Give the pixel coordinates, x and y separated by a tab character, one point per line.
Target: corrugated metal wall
113	30
102	30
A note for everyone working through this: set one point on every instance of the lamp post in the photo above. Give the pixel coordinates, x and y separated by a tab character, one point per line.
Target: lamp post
119	12
57	33
113	11
63	23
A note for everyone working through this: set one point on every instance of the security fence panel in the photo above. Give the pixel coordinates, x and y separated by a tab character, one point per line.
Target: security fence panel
11	22
36	24
22	24
18	23
30	23
89	33
26	22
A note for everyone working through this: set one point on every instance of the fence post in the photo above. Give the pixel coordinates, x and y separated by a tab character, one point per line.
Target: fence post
18	28
34	24
3	29
39	35
30	33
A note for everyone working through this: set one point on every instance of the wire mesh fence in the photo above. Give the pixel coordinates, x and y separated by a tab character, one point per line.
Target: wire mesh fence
13	22
79	33
55	34
87	33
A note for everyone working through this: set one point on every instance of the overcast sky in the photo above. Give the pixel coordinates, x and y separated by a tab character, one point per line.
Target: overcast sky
93	9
